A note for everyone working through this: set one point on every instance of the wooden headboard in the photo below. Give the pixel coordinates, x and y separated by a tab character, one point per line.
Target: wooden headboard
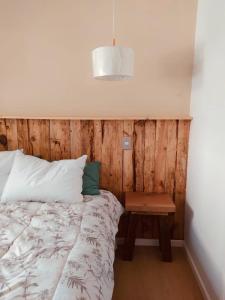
157	161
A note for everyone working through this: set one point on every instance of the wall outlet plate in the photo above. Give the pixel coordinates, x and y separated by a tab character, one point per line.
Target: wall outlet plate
127	143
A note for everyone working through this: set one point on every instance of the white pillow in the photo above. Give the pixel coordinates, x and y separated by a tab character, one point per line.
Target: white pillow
35	179
6	163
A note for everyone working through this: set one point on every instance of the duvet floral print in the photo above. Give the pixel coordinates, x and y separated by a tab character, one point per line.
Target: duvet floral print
58	251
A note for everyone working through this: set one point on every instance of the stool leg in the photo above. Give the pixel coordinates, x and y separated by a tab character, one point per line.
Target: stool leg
160	242
165	238
130	237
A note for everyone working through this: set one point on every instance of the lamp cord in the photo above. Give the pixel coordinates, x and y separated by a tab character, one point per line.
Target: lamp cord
114	23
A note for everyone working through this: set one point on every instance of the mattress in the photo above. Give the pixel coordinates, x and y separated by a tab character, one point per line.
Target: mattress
58	251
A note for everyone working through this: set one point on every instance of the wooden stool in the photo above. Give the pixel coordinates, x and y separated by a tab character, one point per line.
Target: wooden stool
161	205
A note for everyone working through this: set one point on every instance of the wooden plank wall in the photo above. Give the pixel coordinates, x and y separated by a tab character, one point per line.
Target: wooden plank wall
156	163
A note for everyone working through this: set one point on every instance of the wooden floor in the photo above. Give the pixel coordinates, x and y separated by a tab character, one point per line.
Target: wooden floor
148	278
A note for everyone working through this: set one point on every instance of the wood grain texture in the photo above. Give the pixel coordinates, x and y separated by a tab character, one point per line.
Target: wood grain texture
160	155
157	161
97	149
3	132
75	130
87	138
111	177
171	156
11	132
180	176
128	167
60	139
149	156
23	137
139	146
39	135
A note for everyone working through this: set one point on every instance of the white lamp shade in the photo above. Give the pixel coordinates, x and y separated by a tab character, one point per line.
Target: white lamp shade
113	63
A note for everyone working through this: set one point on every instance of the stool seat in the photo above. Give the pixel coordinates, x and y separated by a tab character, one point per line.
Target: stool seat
149	202
158	204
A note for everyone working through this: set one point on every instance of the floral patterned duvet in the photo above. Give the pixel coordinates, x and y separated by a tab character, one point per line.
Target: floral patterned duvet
58	251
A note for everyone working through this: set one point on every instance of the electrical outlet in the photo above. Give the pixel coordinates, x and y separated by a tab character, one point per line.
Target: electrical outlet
127	143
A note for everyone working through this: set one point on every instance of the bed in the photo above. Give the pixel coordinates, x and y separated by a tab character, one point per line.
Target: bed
58	251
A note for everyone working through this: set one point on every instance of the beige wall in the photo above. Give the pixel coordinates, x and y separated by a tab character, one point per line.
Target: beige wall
45	58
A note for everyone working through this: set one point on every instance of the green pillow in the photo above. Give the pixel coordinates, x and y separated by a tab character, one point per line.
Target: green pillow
91	178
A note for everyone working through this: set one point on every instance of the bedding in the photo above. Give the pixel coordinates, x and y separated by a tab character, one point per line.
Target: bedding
59	251
36	179
6	163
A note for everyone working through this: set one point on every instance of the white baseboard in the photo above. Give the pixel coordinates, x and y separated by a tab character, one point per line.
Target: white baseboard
197	274
151	242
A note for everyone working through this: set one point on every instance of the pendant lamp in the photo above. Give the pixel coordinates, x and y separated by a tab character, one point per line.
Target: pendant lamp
113	62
